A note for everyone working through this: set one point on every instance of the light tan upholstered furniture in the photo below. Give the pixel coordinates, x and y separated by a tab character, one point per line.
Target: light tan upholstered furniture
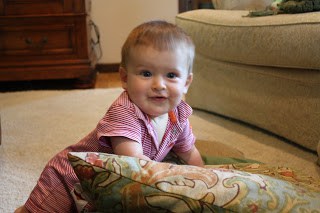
264	71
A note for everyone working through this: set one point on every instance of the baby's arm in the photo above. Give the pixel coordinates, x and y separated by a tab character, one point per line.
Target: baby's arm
191	157
125	146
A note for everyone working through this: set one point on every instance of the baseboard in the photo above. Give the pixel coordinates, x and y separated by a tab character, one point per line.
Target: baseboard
103	68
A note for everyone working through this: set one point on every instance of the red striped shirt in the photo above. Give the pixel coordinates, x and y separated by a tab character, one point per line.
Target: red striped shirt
52	192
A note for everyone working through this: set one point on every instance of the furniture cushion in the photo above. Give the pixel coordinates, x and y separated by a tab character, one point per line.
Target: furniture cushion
128	184
284	40
241	4
281	100
263	71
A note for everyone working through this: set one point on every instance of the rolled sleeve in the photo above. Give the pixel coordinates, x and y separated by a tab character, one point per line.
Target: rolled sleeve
119	121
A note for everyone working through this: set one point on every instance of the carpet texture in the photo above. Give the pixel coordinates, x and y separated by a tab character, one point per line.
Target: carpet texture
37	124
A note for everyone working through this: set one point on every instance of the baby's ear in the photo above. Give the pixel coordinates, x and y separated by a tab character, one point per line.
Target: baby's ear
123	77
188	83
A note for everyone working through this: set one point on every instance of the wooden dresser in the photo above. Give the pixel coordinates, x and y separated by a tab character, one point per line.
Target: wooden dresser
46	39
186	5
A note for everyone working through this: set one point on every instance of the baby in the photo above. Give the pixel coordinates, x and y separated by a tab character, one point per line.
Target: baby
148	120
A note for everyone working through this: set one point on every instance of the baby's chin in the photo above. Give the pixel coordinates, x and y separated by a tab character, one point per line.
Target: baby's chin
157	113
154	112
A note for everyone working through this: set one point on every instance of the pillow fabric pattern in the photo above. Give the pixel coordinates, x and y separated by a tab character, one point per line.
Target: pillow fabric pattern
279	172
112	183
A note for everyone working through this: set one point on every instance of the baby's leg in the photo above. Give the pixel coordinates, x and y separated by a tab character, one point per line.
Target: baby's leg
21	209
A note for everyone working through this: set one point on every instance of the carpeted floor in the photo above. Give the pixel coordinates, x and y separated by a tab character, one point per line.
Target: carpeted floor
38	124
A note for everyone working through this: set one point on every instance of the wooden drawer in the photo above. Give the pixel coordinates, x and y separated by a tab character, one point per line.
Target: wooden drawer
37	40
46	39
25	7
52	38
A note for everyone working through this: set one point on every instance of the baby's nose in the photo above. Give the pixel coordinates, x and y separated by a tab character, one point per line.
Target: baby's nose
158	83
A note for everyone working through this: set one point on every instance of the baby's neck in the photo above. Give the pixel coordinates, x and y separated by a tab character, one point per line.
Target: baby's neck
159	124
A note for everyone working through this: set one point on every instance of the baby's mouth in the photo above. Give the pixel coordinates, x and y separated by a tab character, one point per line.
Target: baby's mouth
158	98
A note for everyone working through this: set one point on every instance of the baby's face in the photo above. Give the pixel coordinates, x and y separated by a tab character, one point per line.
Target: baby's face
156	80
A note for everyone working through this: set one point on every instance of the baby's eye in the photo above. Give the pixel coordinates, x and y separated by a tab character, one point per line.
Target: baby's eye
171	75
146	73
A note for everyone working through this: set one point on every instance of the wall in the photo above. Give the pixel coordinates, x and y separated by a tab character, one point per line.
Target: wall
116	18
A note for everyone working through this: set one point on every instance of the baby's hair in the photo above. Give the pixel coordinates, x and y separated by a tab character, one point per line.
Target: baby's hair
162	36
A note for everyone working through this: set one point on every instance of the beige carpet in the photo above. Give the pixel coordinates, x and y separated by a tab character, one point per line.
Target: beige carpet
38	124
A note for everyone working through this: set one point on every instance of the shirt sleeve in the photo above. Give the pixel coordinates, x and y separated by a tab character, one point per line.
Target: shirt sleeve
185	140
119	121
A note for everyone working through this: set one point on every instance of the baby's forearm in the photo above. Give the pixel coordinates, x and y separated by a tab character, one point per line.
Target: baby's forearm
133	154
127	147
143	157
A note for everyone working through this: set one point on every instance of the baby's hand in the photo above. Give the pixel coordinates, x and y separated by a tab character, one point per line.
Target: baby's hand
192	157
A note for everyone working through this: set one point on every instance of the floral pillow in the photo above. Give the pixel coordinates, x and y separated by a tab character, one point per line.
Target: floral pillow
115	183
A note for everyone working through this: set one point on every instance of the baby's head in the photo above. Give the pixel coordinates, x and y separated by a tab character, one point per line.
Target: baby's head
156	66
160	35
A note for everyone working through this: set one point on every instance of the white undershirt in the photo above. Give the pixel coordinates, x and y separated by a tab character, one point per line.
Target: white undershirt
160	124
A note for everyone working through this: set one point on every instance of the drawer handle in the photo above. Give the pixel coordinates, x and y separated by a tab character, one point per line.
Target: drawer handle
35	45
